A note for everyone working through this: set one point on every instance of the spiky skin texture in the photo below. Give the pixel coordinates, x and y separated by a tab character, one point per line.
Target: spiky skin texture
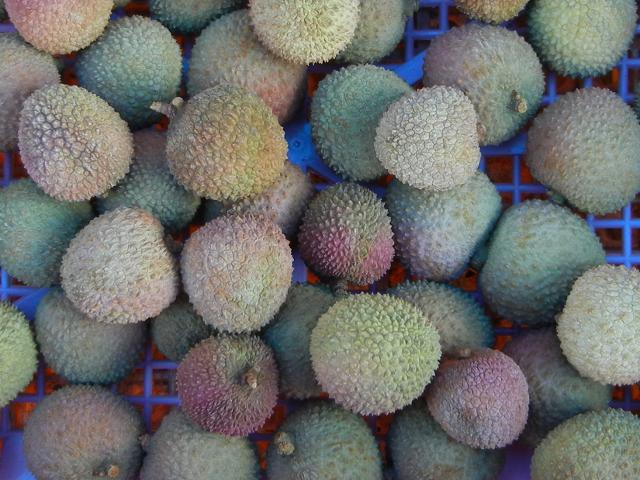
421	450
284	202
59	26
289	336
374	354
181	449
178	329
601	444
82	350
380	29
535	254
225	144
586	147
228	51
597	328
228	384
237	271
321	440
436	233
581	38
496	69
18	353
429	139
491	11
134	63
72	143
345	112
481	400
455	314
556	390
35	231
190	16
346	234
83	432
305	31
118	268
24	70
151	186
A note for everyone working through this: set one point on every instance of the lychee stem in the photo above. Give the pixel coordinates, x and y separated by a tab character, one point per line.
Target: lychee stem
169	110
519	102
251	378
111	471
284	444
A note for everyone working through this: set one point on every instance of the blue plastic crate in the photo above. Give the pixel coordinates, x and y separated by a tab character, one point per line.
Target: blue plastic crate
431	21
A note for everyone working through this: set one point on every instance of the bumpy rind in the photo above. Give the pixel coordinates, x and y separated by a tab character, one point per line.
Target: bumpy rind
581	38
429	139
225	144
323	441
284	202
481	400
190	16
455	314
18	353
556	390
436	233
237	271
536	252
496	69
151	186
491	11
72	143
35	231
228	51
59	26
178	329
346	234
374	354
599	444
345	112
307	31
83	432
603	299
586	147
82	350
181	449
289	336
421	450
118	268
380	29
216	391
134	63
24	70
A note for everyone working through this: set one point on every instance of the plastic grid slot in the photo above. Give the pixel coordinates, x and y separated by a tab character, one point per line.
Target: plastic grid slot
432	20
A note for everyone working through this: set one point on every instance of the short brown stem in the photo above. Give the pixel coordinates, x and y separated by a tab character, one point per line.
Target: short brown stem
250	377
169	110
109	471
519	102
284	444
